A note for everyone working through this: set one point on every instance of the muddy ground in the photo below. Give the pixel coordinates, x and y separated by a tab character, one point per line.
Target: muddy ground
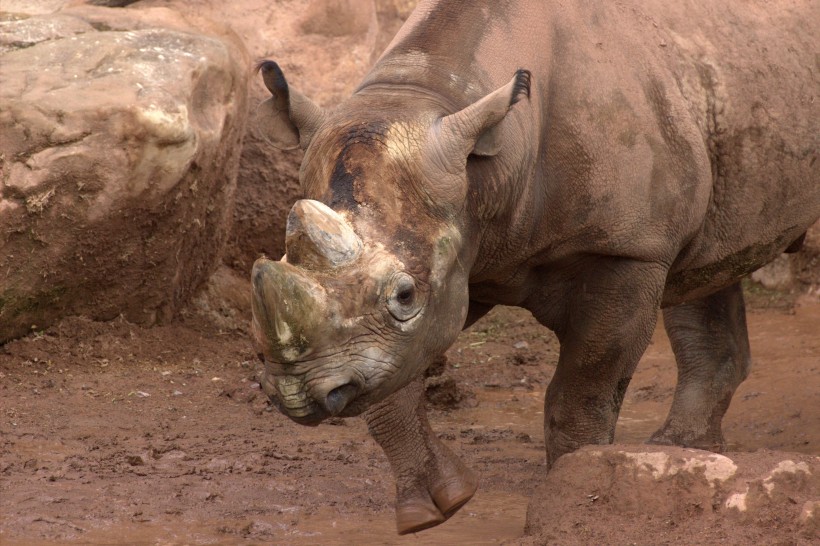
113	434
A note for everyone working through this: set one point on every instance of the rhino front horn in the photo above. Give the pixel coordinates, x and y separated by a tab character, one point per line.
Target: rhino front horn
319	238
288	307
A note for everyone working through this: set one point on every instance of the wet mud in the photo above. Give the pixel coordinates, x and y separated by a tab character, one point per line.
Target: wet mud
113	434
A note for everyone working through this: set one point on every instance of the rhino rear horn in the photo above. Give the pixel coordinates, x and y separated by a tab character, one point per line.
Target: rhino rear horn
319	238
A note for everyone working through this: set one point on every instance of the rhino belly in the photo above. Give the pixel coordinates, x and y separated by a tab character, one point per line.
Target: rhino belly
703	277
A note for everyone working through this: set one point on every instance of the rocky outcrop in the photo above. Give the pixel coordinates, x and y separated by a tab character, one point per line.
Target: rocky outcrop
120	133
671	495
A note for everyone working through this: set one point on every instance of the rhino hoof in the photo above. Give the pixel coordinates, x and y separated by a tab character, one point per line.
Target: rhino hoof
707	442
454	494
445	499
417	516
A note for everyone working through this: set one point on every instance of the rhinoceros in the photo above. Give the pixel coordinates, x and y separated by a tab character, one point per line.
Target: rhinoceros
592	162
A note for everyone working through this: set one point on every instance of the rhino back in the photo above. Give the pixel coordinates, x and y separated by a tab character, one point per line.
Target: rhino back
755	66
681	134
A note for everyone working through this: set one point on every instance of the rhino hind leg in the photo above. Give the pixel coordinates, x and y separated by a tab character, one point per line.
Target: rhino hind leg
431	481
711	348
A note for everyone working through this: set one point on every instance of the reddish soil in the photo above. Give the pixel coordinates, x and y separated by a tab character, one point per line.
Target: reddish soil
110	433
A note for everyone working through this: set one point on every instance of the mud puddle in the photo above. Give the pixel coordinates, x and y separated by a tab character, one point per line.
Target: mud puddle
490	519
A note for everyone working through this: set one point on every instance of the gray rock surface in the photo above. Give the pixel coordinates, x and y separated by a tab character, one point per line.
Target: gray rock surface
120	135
672	495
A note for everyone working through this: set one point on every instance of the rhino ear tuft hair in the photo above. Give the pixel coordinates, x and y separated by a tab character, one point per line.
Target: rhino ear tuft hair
523	82
476	129
273	77
288	118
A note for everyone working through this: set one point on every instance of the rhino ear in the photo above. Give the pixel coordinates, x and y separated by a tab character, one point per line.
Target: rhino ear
476	129
288	118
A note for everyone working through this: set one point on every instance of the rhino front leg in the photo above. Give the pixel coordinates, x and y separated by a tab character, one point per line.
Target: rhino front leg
604	329
431	482
711	347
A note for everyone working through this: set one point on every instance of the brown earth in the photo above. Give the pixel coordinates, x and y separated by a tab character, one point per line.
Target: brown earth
114	434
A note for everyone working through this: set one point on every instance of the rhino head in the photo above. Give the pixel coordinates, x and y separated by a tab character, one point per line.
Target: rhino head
373	285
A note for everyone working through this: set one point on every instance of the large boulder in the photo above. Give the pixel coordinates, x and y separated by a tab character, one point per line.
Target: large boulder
671	495
120	133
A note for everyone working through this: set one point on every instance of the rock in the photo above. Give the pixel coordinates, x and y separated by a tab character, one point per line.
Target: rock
135	460
119	147
771	489
776	275
676	495
799	270
15	34
324	63
810	519
12	9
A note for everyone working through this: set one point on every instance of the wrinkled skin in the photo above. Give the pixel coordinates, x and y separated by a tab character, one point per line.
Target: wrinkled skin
649	157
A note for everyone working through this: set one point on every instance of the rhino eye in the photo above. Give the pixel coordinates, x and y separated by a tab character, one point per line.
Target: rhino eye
405	297
402	302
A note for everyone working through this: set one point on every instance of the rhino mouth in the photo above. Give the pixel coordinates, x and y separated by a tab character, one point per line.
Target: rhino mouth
311	419
290	396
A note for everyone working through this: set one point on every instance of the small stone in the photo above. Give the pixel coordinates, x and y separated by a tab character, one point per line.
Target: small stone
523	437
135	460
258	529
521	345
809	522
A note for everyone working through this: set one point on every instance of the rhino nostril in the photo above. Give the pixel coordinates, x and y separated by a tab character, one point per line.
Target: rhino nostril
340	397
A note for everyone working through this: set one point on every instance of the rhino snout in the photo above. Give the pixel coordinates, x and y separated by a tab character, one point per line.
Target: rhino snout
333	395
338	398
310	405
